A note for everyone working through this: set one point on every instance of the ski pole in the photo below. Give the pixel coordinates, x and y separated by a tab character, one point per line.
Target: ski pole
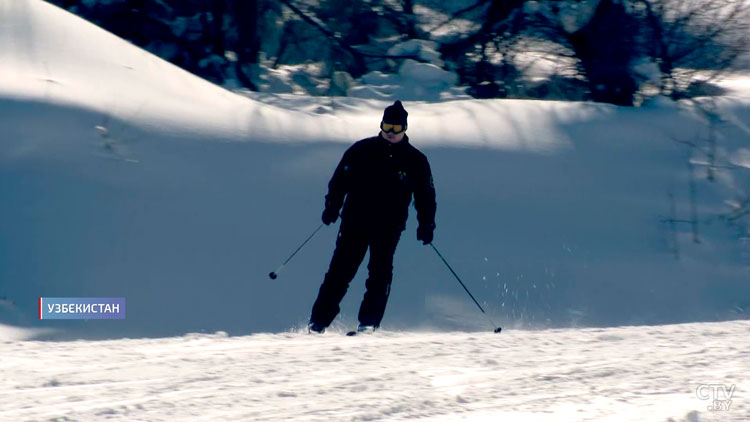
497	328
274	274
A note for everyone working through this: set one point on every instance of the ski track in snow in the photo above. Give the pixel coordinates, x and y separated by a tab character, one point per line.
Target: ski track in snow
645	373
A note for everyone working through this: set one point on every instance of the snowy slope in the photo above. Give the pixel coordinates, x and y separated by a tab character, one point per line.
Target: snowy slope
621	374
51	56
129	177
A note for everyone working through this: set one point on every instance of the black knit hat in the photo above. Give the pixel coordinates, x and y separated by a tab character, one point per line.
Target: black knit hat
395	114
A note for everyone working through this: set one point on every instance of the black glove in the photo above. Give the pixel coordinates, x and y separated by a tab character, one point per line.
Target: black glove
330	215
425	234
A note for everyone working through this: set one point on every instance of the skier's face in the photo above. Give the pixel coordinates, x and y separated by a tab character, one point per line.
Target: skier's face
393	137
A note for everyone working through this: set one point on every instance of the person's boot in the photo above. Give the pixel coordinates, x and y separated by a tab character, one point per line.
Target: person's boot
365	329
315	328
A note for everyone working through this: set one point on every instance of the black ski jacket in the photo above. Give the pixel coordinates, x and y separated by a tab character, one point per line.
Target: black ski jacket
378	178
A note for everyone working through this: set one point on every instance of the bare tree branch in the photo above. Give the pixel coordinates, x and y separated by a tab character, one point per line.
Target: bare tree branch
336	38
455	15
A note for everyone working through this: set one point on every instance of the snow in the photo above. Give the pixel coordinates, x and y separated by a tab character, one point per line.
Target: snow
128	177
415	81
613	374
425	50
741	158
58	58
9	333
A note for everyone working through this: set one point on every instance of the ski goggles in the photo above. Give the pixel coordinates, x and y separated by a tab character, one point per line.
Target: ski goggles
390	127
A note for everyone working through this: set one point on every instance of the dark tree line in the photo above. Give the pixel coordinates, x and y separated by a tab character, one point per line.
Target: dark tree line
602	46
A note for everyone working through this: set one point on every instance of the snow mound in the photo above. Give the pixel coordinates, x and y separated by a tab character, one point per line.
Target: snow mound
10	333
415	81
52	56
425	50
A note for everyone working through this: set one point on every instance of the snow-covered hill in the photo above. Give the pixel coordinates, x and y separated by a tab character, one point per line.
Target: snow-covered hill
123	175
627	374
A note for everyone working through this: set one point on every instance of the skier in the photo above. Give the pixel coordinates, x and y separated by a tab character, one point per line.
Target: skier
374	181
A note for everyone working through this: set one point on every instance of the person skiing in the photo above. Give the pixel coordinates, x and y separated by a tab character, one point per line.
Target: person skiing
374	182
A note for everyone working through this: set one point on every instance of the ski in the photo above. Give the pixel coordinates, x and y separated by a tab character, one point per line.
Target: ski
361	330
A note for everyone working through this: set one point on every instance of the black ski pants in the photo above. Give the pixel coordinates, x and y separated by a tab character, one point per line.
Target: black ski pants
351	246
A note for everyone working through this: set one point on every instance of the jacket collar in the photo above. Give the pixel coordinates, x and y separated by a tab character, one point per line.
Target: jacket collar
402	142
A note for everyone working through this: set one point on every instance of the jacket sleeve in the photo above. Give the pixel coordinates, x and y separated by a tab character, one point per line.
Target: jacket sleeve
340	182
424	195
